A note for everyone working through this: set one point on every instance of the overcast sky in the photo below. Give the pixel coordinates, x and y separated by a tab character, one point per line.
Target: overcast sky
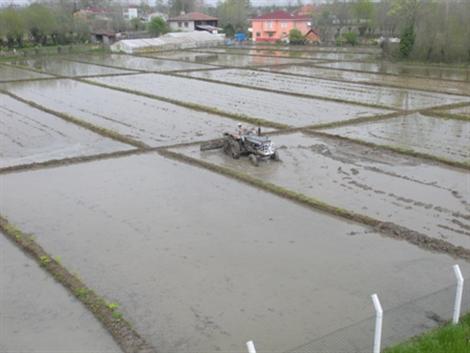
213	2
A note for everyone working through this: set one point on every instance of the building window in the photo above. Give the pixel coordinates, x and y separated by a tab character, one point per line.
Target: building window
283	24
186	24
269	25
270	34
258	34
179	24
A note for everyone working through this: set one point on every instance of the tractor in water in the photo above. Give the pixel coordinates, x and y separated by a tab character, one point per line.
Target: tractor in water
245	142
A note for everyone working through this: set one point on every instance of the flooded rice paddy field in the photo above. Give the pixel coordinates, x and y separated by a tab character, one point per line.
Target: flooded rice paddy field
11	73
445	138
150	121
430	71
384	186
139	63
367	50
68	68
29	135
199	261
352	92
225	59
278	108
35	308
404	81
295	54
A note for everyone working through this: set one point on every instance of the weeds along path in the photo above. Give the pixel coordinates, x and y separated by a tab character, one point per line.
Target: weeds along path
121	330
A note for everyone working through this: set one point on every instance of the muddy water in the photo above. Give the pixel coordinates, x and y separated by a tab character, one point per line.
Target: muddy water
295	54
200	262
38	315
280	53
274	107
190	56
430	71
307	48
445	138
29	135
66	68
139	63
390	188
151	121
10	73
367	77
225	59
398	98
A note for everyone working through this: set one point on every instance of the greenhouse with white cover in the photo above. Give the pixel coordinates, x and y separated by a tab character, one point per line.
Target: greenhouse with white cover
169	41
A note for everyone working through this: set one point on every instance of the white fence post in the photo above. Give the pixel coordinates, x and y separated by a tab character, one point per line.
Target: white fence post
378	323
251	347
458	294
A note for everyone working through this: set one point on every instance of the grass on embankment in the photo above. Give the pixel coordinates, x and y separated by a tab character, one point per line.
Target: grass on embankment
446	339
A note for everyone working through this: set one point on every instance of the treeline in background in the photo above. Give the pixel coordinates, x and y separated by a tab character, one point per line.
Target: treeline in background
427	30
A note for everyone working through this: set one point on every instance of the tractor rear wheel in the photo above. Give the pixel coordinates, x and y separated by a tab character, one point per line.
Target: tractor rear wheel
254	160
235	148
275	157
227	147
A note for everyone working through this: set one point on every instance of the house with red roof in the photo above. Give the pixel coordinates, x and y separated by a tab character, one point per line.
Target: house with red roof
274	26
193	21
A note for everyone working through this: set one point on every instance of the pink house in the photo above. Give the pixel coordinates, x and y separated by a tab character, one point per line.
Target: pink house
276	25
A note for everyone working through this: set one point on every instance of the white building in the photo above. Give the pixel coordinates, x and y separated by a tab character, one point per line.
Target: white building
194	21
130	13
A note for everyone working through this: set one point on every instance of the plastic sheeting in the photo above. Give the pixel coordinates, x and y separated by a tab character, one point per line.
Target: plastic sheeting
169	41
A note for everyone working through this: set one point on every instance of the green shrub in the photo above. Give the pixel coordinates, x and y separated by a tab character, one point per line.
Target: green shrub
296	37
157	26
229	30
350	38
407	41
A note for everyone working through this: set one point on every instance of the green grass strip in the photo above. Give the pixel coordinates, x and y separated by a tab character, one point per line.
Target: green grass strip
301	95
446	107
29	79
72	160
121	330
446	115
263	55
28	68
384	73
386	228
445	339
202	108
96	129
51	51
105	65
400	150
308	50
361	82
360	120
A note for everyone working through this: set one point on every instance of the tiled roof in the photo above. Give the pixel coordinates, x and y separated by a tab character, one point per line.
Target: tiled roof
281	15
193	16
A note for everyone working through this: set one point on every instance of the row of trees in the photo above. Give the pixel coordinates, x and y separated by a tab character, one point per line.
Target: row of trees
435	31
432	30
40	25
